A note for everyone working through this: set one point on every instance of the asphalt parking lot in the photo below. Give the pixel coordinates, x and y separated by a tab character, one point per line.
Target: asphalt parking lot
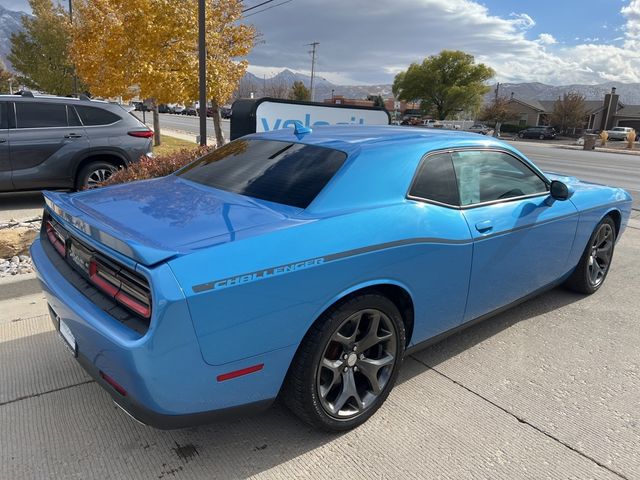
549	389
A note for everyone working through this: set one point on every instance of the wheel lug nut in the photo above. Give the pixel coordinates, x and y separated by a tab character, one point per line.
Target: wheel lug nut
344	357
345	370
361	356
355	347
355	369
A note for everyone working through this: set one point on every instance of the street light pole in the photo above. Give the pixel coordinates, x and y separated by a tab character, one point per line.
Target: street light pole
202	62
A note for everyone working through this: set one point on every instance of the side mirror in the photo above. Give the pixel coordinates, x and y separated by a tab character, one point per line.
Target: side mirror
559	191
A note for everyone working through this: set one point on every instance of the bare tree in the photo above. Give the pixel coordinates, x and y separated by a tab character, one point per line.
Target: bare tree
277	89
569	112
498	112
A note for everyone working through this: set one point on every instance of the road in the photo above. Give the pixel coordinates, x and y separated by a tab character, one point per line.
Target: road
615	169
546	390
187	124
620	170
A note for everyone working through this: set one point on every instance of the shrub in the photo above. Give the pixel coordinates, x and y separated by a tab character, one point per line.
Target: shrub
159	166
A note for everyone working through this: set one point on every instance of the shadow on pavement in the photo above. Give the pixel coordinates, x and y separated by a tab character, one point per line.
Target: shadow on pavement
234	448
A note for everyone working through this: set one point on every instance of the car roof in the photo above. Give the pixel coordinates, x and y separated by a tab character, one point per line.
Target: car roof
51	98
382	160
353	138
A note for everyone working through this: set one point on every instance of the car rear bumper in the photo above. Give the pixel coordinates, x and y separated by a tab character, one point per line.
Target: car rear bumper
166	382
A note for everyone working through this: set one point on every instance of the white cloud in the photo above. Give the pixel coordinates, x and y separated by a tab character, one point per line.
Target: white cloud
632	28
388	36
522	20
546	39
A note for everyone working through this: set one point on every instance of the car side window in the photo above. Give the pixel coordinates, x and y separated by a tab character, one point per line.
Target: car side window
3	115
436	180
40	114
74	120
93	116
486	176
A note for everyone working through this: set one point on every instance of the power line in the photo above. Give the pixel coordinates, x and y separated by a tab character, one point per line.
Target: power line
268	8
256	6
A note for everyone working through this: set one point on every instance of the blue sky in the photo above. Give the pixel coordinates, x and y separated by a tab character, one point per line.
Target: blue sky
567	20
368	41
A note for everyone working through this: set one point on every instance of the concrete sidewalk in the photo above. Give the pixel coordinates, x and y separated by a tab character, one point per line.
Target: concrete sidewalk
549	389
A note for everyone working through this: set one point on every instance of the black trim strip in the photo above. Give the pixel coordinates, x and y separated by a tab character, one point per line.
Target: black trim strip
311	262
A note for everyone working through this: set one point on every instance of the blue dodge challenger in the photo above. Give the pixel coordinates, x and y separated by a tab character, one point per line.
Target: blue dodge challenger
306	264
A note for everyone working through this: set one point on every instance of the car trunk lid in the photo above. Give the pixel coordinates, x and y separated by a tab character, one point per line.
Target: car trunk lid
154	220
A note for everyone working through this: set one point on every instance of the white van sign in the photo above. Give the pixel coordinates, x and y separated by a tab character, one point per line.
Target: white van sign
267	114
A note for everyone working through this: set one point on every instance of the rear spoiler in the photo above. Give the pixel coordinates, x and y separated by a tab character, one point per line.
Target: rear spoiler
60	205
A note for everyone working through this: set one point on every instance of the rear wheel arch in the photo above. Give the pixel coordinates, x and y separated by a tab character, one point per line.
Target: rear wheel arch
398	294
114	159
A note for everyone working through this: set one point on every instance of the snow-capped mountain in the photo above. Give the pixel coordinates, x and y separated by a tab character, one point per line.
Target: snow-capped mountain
10	23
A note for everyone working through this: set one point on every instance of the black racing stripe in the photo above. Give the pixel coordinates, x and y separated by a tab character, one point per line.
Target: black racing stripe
335	256
203	287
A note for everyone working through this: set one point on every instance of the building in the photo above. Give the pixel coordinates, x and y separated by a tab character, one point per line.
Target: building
601	114
390	104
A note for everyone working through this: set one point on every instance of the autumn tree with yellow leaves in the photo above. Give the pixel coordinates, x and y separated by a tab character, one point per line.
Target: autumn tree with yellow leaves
150	47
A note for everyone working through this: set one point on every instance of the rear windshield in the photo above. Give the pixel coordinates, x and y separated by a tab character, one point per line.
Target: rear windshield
281	172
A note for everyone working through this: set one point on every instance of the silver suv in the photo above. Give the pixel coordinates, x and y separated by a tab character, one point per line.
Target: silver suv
65	143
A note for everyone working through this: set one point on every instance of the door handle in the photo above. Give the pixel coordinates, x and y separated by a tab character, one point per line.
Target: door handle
484	226
72	135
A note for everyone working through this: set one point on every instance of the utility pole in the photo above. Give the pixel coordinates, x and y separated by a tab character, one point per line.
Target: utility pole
313	66
202	63
75	75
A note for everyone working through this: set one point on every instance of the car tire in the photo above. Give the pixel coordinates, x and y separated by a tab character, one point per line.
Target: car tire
595	262
541	137
521	135
330	384
94	173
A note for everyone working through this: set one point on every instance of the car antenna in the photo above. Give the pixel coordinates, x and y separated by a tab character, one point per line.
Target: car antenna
300	130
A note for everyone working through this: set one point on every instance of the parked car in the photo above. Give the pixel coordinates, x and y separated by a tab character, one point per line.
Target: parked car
256	272
226	112
619	133
65	143
479	128
178	108
432	123
164	108
191	111
542	133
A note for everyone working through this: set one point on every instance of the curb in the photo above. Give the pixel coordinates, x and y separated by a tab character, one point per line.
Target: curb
17	286
600	150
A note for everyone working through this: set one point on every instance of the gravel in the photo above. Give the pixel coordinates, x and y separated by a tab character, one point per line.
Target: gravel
18	264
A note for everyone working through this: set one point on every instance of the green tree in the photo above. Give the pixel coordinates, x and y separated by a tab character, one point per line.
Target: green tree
377	100
40	53
444	83
497	112
569	112
299	92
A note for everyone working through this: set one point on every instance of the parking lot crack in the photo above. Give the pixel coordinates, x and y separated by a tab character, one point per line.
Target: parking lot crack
39	394
523	420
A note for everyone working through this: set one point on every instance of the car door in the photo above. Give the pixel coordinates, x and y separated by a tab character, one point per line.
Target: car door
45	142
444	266
521	236
5	164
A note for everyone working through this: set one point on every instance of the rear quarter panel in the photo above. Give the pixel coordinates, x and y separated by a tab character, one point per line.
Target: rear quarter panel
239	316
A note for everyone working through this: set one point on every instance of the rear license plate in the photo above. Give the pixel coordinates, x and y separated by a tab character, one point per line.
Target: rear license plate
67	336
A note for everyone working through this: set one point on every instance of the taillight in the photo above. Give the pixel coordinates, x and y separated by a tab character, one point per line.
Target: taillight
56	239
141	133
121	286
